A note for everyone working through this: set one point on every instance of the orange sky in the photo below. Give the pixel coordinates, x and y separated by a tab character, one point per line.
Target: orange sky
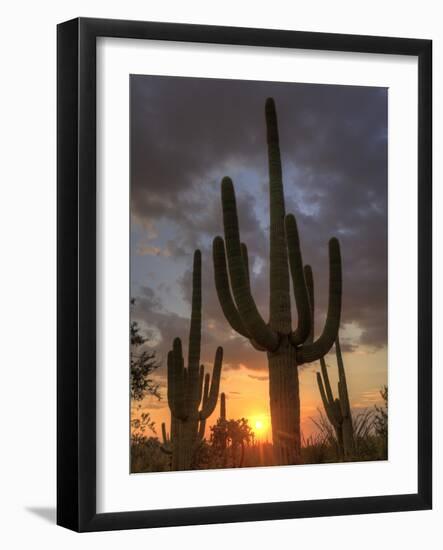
247	391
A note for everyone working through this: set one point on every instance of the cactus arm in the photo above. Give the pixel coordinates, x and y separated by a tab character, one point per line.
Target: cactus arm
279	299
200	383
202	421
201	430
211	402
319	348
310	287
326	404
164	434
256	346
224	292
299	284
325	375
205	397
176	382
206	388
247	309
343	388
222	287
244	255
167	443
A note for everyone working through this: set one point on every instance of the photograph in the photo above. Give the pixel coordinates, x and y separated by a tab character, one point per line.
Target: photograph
258	273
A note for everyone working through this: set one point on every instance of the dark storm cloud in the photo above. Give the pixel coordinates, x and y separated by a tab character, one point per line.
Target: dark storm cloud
188	133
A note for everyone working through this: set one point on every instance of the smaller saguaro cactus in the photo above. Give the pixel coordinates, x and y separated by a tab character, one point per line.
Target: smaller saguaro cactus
223	406
192	394
166	446
338	410
223	421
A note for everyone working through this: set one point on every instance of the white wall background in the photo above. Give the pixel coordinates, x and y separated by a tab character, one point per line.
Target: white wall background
27	270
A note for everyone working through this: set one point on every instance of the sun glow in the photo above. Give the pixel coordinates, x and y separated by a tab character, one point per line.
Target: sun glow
259	425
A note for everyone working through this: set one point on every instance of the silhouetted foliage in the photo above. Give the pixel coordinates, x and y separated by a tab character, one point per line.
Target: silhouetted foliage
147	456
143	364
370	432
141	423
381	419
228	440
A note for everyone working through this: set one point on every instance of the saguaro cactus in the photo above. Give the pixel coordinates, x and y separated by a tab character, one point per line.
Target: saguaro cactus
338	410
286	349
189	388
222	420
222	406
167	445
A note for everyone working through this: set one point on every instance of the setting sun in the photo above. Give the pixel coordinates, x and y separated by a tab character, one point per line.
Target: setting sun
259	425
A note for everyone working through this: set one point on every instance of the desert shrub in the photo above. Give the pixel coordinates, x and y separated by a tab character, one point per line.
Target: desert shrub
143	364
381	422
147	455
227	445
370	433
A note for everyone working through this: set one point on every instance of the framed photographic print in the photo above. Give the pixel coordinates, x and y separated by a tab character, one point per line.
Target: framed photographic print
244	274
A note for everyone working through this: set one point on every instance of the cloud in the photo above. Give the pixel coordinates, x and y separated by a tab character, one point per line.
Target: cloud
149	250
259	378
186	134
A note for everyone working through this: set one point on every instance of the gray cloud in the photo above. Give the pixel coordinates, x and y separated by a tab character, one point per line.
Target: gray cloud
186	134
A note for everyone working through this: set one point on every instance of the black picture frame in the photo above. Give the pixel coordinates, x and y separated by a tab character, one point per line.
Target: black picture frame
76	294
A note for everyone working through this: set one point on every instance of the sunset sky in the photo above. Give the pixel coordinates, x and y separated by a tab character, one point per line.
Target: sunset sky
186	134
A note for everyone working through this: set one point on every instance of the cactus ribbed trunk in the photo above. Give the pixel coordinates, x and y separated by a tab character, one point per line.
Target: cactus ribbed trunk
348	438
285	405
184	444
340	443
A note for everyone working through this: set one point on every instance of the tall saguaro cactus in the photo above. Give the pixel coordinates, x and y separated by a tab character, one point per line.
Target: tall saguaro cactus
286	348
192	395
338	410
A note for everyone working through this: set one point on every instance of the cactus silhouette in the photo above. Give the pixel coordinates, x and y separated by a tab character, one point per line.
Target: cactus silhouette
223	439
223	406
286	349
166	446
192	394
338	410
